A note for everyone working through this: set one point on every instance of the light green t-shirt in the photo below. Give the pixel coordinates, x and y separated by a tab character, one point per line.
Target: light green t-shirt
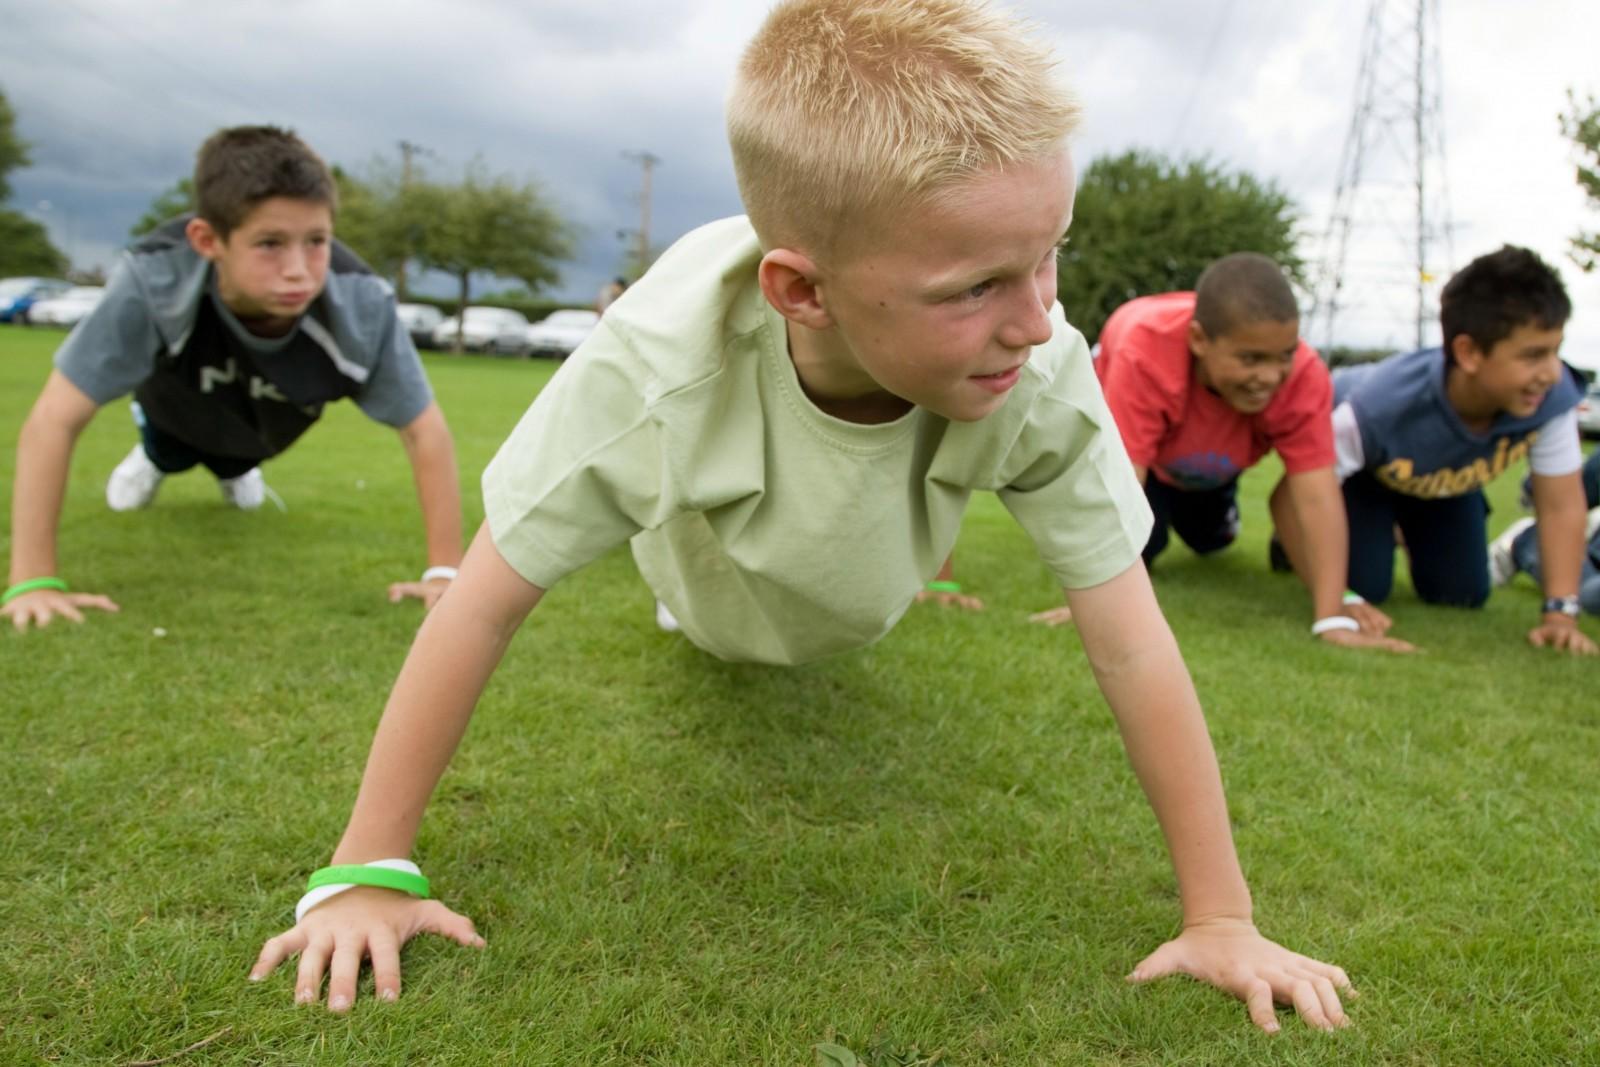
774	532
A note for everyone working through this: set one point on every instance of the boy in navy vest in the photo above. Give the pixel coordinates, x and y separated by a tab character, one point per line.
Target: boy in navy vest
231	328
1419	435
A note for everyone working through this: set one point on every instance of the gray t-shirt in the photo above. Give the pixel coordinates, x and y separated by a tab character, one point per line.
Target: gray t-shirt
162	333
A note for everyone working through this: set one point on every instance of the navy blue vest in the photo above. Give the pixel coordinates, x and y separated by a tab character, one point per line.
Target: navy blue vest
1413	440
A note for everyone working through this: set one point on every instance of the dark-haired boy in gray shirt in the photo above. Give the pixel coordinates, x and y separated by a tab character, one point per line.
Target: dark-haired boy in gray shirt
231	328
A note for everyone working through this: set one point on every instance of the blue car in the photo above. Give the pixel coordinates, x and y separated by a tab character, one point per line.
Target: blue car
17	295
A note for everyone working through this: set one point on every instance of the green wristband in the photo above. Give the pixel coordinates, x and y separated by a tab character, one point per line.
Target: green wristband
359	874
939	585
29	586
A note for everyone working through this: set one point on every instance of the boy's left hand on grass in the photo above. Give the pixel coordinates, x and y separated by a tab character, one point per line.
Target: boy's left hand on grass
964	601
1362	639
1061	616
1562	633
1233	956
1371	620
428	592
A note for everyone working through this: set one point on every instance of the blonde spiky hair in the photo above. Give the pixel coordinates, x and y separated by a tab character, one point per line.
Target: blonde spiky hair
844	112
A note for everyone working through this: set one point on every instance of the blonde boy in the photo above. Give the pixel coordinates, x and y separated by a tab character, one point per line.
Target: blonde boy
842	370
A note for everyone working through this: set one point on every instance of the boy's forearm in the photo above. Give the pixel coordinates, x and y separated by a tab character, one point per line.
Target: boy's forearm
44	456
456	650
1136	661
1319	510
1561	510
431	451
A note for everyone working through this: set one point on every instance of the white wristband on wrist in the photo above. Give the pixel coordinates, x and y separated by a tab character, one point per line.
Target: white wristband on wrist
1334	622
1353	597
447	573
324	892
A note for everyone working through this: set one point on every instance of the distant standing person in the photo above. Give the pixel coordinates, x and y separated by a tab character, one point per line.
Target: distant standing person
1420	434
609	293
231	328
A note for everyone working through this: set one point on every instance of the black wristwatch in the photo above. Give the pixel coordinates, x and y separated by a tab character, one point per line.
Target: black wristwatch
1561	605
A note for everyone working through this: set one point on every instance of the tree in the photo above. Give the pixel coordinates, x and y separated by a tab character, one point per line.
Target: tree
178	199
487	224
13	149
1581	123
1143	224
25	248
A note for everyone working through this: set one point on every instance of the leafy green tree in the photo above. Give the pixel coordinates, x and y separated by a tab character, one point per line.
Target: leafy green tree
25	248
177	199
1581	123
13	149
1144	224
487	224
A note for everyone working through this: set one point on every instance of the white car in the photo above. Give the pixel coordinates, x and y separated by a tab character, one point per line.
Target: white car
492	330
419	320
68	308
561	331
1589	411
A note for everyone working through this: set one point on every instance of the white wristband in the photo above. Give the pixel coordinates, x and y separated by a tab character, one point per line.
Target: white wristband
324	892
447	573
1353	597
1334	622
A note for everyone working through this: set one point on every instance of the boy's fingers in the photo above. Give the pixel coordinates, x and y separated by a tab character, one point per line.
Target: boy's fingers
1258	1001
275	951
313	961
440	920
1054	617
344	971
1333	974
1160	963
1329	998
95	600
385	953
1306	1002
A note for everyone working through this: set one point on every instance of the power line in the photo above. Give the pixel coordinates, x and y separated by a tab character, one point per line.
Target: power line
1397	118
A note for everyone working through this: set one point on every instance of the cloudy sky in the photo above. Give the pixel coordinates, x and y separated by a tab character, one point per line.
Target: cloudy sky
115	95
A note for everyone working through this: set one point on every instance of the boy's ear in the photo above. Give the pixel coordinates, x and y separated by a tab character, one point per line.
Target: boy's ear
1465	351
1198	341
203	238
790	281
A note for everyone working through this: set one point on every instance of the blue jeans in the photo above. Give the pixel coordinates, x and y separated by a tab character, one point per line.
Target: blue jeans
1525	547
1206	519
1446	540
171	455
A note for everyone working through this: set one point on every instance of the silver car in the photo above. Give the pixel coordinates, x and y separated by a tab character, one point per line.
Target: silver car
1589	411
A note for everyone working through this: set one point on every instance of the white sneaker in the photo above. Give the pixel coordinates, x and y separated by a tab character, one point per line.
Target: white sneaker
665	619
246	492
1502	567
134	482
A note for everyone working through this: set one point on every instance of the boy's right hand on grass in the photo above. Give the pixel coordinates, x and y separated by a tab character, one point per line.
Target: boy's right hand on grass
361	923
1362	639
42	605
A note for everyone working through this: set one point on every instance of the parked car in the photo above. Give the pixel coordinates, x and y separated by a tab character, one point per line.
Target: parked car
68	308
558	333
18	295
492	330
420	320
1589	411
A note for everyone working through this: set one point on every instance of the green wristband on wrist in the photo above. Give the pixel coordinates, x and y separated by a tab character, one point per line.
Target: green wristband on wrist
29	586
939	585
360	874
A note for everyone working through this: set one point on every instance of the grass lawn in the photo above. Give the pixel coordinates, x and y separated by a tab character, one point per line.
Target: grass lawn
931	851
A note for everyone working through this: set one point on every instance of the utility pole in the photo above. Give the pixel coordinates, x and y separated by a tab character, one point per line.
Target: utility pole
647	161
408	150
1397	126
